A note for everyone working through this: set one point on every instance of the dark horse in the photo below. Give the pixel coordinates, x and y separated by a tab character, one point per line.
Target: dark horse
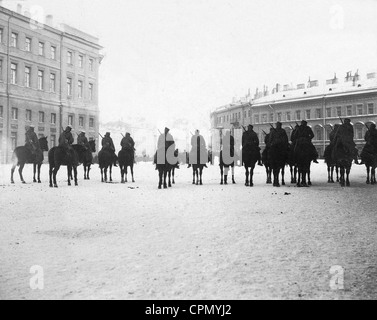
126	159
85	157
224	169
331	165
106	161
250	156
343	159
303	158
277	155
23	155
369	157
57	157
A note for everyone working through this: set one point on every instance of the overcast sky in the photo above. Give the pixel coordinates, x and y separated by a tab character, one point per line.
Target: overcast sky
168	58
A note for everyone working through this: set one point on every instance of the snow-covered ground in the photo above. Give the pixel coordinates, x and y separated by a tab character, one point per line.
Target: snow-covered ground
133	241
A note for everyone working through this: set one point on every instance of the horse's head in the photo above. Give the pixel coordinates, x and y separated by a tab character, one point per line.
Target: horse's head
92	144
43	143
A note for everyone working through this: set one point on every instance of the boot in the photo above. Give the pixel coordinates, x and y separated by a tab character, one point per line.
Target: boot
205	166
189	166
225	179
260	163
233	181
315	161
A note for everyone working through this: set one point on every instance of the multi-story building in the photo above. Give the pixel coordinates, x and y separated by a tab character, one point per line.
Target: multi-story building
322	106
48	78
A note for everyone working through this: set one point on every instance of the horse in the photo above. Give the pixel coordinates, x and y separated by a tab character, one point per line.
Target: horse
303	158
277	155
250	156
197	168
57	157
23	155
85	157
126	159
267	166
331	165
291	162
369	157
224	170
343	159
106	160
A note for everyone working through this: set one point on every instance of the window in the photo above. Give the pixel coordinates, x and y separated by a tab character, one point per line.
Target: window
69	57
245	114
370	108
1	113
308	114
53	53
1	35
28	44
1	69
279	117
70	120
298	115
13	138
256	118
41	49
349	110
41	117
264	118
40	79
53	118
328	112
249	113
339	111
81	61
27	77
52	82
28	115
91	123
81	122
14	114
360	110
288	116
69	87
90	91
359	133
14	40
318	133
91	64
53	141
80	85
318	113
13	70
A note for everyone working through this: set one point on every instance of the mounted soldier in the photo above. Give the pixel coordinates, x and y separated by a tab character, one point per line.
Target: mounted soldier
82	140
165	141
333	133
31	141
345	136
249	137
371	136
108	144
128	143
294	134
306	133
278	135
66	139
198	149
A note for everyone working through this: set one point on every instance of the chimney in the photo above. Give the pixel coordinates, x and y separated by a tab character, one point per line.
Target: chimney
19	8
50	20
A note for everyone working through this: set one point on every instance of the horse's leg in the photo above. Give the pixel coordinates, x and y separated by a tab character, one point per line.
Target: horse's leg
368	171
193	174
56	169
12	173
309	181
298	177
39	172
22	165
169	177
373	177
126	172
328	174
160	173
121	173
295	174
173	174
226	175
247	176
222	174
233	180
348	171
50	174
84	166
111	173
342	176
87	174
75	175
165	174
34	172
69	173
276	177
337	173
282	176
102	175
132	173
201	175
252	175
291	170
